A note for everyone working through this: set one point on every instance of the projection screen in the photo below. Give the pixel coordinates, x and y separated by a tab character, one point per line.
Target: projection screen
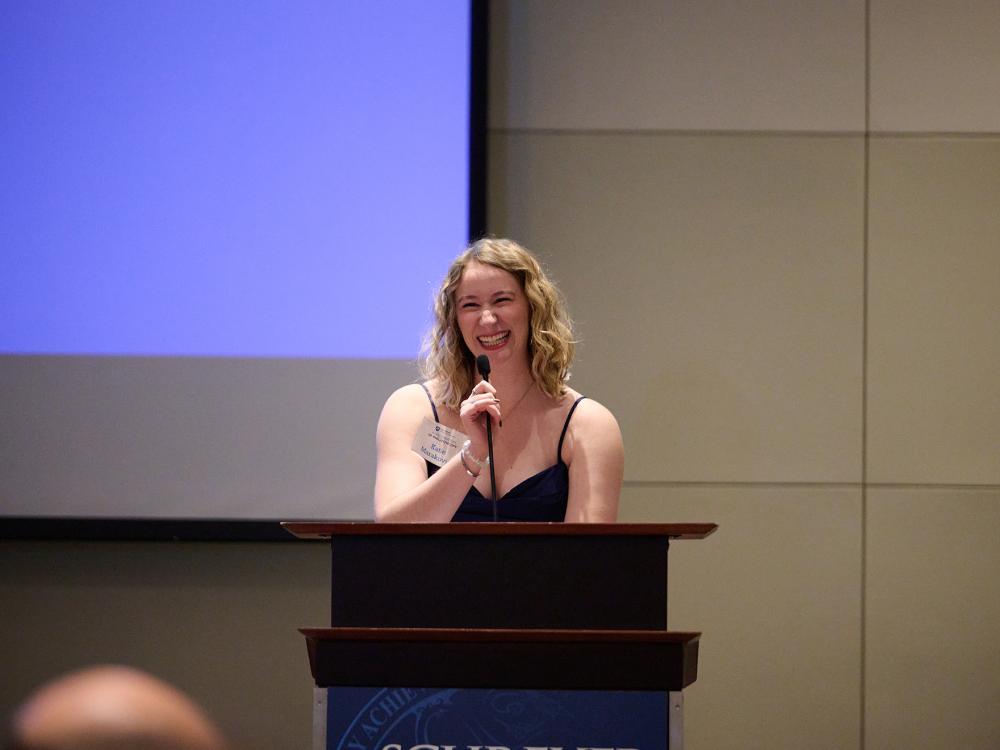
223	223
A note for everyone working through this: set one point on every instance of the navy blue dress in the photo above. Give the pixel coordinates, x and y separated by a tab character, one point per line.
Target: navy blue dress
540	497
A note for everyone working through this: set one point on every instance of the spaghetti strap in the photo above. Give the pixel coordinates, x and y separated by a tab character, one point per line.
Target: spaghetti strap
435	409
566	426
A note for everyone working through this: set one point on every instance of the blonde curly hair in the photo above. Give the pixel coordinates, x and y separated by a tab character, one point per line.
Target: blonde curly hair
447	361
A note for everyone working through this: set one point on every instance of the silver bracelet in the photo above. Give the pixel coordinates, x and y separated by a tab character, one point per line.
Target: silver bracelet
461	457
467	453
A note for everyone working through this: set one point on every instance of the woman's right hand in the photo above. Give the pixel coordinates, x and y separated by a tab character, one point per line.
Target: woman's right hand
482	400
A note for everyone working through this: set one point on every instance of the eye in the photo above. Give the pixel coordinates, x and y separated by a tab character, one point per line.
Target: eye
469	305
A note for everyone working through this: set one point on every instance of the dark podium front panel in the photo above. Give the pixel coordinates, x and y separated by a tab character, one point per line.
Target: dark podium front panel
499	575
499	582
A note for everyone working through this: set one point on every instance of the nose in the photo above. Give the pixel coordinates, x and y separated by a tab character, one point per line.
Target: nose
487	317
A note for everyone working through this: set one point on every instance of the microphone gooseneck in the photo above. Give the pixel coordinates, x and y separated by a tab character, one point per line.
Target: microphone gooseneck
483	366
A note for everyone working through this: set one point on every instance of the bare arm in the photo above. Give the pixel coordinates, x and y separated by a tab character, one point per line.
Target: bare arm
403	491
596	459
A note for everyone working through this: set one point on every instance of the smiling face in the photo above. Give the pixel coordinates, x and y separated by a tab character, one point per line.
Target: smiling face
493	314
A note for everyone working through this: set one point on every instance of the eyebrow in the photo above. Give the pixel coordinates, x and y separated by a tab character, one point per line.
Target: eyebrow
474	297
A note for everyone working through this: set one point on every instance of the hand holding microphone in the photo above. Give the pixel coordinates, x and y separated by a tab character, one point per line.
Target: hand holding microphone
481	401
483	365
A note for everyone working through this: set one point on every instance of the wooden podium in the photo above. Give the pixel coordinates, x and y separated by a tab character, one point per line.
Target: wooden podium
519	606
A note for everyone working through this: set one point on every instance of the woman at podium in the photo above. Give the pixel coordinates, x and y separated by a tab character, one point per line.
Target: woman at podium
557	455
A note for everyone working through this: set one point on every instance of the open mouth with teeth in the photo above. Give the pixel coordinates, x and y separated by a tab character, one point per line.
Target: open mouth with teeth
494	341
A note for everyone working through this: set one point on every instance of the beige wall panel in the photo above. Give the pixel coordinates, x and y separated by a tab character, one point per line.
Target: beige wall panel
935	66
933	619
776	592
648	64
717	282
934	311
219	620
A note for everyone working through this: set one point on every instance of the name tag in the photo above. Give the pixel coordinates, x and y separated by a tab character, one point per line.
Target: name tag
436	443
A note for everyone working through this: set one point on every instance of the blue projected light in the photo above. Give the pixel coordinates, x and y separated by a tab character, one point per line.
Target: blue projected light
229	178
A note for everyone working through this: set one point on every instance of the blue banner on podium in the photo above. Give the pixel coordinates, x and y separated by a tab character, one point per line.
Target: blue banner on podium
487	719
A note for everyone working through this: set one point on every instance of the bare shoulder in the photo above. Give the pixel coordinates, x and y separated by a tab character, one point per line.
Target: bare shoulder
592	425
408	396
593	415
596	460
406	405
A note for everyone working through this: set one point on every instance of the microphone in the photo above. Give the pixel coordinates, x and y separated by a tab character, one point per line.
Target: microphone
483	366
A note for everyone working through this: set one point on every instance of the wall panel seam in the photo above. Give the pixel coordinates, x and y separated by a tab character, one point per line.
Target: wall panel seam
680	132
667	483
653	483
688	132
863	521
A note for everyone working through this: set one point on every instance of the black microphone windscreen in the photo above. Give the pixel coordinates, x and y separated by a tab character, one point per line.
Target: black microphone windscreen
483	365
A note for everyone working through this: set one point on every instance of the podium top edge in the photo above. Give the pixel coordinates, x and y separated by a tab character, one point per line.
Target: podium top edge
327	530
498	635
